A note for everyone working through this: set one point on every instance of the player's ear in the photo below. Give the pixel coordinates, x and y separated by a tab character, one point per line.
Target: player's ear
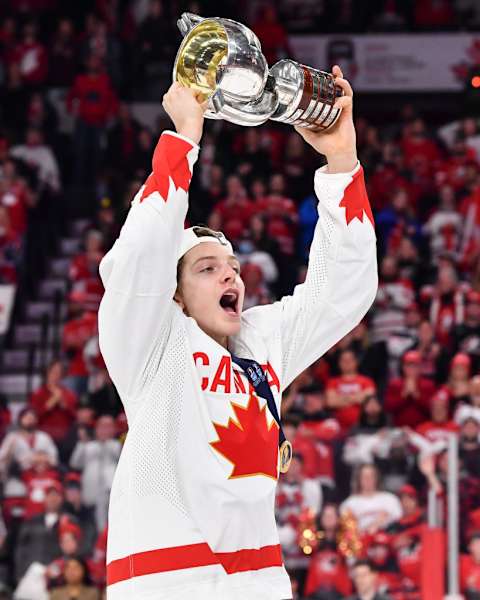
179	299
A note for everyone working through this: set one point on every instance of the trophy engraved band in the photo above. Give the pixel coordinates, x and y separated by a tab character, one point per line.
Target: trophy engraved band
222	60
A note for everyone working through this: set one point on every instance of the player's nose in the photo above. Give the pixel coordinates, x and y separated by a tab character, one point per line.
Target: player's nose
228	274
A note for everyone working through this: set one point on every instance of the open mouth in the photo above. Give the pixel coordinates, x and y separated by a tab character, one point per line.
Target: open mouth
229	302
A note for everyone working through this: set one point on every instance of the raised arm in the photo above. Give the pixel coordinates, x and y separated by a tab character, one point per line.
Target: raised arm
139	272
341	280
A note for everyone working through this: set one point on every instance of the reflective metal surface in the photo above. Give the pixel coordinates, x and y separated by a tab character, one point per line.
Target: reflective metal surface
223	61
202	51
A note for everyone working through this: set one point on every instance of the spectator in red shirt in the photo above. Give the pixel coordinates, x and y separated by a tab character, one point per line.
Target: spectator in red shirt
408	397
379	551
38	479
440	425
418	149
10	248
470	568
85	266
76	333
273	35
408	551
93	102
54	403
97	564
430	350
457	388
16	196
445	300
412	512
69	538
236	205
346	393
31	57
319	430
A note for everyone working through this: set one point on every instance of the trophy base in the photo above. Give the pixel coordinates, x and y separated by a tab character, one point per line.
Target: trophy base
306	96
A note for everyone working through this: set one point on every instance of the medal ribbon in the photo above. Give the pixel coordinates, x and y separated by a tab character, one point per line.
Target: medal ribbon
258	378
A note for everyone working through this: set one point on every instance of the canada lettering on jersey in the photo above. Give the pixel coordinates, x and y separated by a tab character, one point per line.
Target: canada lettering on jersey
226	380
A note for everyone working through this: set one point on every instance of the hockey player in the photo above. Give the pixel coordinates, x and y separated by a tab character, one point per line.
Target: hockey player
192	505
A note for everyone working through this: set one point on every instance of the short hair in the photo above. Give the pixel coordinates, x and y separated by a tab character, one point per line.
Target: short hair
365	562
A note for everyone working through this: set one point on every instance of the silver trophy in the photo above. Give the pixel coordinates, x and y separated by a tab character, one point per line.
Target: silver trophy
223	61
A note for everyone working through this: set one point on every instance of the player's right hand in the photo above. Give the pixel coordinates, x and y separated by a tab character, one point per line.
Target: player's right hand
187	113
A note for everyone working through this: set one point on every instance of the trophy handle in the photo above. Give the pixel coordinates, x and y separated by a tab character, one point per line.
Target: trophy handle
188	21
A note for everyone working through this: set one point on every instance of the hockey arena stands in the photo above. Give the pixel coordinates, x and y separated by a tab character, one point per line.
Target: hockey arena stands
371	421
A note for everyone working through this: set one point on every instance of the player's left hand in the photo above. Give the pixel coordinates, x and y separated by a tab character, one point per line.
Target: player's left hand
338	143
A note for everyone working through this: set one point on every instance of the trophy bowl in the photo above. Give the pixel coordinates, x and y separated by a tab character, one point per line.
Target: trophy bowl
222	60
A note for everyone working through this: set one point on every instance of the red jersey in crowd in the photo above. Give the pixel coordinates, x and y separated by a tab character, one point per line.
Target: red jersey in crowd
437	431
97	101
56	420
452	170
97	565
76	333
274	38
313	441
409	563
419	151
32	60
84	267
14	199
469	574
346	385
385	179
445	310
408	409
327	571
240	209
37	484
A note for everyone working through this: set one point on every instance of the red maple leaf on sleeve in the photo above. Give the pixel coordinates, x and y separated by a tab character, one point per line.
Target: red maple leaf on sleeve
355	200
169	162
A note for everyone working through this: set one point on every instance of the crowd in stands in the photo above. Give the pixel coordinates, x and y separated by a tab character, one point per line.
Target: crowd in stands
369	421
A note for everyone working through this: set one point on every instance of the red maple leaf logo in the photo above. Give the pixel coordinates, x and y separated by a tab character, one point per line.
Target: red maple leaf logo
249	443
169	162
355	200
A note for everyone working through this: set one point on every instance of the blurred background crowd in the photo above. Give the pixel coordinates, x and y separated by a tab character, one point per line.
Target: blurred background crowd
369	422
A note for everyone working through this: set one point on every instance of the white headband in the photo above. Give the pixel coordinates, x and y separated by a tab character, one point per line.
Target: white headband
190	240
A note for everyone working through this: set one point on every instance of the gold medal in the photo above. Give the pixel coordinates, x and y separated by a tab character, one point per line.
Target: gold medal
286	453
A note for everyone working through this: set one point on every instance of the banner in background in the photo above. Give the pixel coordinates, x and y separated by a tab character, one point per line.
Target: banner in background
394	62
7	296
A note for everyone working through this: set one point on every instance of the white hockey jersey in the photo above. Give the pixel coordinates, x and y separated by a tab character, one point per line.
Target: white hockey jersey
192	504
